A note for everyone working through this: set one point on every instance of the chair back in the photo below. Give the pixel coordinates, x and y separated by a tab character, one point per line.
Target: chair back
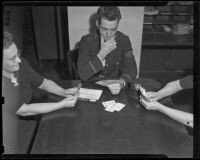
72	58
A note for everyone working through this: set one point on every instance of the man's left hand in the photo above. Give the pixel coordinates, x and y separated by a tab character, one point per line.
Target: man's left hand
115	87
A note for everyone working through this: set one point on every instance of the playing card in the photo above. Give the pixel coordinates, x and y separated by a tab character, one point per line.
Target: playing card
143	93
119	106
109	103
110	109
142	90
100	83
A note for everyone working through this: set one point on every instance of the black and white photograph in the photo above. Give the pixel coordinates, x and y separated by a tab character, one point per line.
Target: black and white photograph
83	79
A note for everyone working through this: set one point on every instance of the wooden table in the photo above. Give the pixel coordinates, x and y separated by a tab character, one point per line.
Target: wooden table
89	129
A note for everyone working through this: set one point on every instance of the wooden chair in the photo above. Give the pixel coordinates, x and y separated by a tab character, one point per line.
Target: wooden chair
71	60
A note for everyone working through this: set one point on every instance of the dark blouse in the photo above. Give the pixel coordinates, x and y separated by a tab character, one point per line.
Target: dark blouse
186	82
15	96
17	131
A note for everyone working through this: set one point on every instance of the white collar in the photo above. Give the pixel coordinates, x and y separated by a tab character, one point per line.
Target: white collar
12	78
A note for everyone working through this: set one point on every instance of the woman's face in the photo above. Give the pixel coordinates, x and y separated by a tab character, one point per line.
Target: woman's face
11	59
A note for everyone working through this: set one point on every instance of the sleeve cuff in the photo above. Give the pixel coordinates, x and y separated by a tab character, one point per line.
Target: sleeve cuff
126	78
96	65
102	61
122	83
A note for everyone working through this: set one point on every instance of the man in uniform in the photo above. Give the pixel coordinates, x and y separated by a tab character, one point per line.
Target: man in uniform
107	54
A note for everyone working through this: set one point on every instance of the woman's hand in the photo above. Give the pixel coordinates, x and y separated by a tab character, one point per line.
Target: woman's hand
152	96
70	101
151	105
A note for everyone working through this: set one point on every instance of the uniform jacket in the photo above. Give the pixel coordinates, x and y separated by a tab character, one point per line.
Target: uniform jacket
120	63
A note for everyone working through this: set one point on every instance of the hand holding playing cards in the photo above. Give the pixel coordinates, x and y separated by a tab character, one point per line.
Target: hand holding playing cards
153	96
150	105
70	92
114	87
69	101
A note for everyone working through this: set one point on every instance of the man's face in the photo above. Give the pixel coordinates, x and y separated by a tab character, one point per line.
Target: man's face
11	59
108	28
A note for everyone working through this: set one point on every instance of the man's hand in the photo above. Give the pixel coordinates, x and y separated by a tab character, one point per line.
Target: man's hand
107	47
115	88
153	105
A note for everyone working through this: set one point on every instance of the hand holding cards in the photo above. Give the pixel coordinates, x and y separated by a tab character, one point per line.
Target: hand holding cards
112	106
143	93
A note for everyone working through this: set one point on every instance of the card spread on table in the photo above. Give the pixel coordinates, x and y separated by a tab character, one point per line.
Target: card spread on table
112	106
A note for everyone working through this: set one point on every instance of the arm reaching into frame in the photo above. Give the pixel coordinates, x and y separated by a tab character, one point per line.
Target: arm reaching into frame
180	116
40	108
51	87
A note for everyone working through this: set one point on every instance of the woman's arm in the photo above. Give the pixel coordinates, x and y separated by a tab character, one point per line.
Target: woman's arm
40	108
51	87
169	89
180	116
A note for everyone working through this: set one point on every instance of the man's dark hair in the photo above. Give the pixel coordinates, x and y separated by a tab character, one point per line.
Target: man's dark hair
7	40
109	13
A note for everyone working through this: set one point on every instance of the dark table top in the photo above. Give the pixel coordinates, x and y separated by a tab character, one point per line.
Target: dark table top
88	129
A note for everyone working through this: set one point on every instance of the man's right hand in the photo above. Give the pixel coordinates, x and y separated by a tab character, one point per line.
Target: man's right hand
107	47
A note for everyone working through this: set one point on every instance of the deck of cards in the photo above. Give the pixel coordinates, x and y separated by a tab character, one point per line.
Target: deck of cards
112	106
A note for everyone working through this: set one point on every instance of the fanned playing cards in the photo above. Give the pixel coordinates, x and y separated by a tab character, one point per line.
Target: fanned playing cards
112	106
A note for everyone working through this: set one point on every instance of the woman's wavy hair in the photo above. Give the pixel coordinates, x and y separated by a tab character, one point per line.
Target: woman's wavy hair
7	40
